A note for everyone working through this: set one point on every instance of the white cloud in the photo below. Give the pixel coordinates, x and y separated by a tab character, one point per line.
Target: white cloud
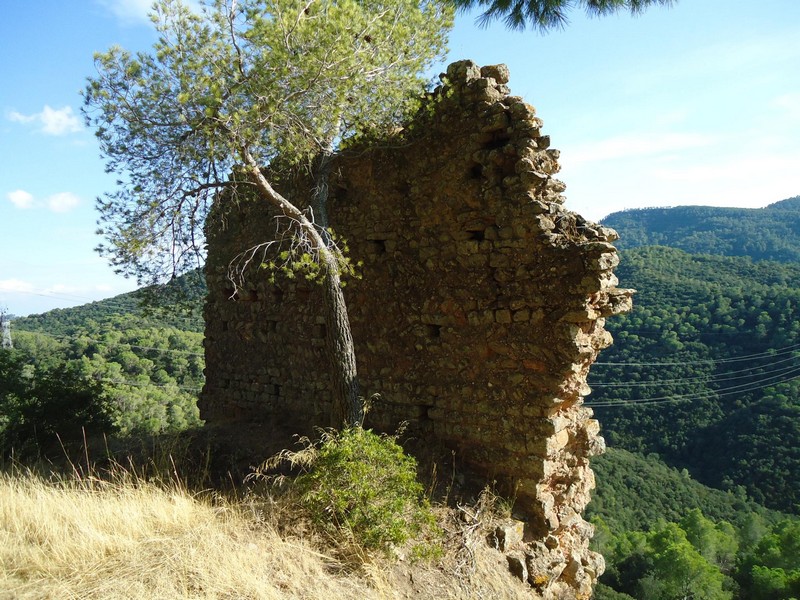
59	122
15	285
633	145
63	202
20	118
60	288
707	178
129	11
789	104
746	170
20	199
136	12
52	121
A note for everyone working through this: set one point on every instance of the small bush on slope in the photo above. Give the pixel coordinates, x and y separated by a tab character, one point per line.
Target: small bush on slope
361	489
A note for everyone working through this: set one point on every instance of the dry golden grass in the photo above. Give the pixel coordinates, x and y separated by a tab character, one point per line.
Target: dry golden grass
124	537
82	538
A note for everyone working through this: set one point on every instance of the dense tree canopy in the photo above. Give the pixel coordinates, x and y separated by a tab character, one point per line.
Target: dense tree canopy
704	370
237	85
145	362
770	233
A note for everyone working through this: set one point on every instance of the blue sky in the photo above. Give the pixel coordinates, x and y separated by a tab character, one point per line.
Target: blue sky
697	104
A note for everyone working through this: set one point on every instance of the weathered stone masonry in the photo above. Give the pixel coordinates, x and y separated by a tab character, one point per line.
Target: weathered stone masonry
479	310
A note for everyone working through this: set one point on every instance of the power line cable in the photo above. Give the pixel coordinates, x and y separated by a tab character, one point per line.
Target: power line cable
737	389
708	378
147	384
767	354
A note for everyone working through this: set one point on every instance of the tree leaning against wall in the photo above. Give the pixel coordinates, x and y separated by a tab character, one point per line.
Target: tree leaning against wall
223	94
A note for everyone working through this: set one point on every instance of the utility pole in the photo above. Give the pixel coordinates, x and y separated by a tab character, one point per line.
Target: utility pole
5	327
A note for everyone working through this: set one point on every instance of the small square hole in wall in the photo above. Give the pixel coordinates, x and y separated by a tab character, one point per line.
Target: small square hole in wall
478	236
377	246
404	188
433	331
500	141
340	196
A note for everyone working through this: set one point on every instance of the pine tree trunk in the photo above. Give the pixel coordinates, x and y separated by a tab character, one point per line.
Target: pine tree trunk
348	407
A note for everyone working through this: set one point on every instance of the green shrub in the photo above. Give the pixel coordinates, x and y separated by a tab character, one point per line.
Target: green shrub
362	487
47	409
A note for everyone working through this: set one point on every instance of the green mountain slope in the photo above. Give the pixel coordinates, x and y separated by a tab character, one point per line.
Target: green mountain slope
636	492
771	233
664	535
178	304
148	356
705	370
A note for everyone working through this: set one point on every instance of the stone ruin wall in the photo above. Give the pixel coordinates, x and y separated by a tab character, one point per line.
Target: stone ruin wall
479	311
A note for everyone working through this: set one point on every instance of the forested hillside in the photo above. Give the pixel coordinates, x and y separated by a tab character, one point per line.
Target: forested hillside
136	358
771	233
705	370
178	304
664	535
703	381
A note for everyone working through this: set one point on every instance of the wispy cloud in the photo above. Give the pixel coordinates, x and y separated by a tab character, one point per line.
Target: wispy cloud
757	56
740	170
51	121
20	199
78	292
137	12
789	104
128	11
16	286
60	203
63	202
634	145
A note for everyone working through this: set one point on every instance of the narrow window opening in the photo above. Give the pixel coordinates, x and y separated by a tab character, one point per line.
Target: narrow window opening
378	246
340	195
434	331
404	188
497	143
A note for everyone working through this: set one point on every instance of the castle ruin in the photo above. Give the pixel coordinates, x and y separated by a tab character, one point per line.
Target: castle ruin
478	312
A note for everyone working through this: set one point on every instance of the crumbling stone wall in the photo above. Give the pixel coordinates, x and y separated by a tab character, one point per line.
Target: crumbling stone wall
479	311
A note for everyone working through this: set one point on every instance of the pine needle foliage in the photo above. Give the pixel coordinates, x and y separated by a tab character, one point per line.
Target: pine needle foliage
546	15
